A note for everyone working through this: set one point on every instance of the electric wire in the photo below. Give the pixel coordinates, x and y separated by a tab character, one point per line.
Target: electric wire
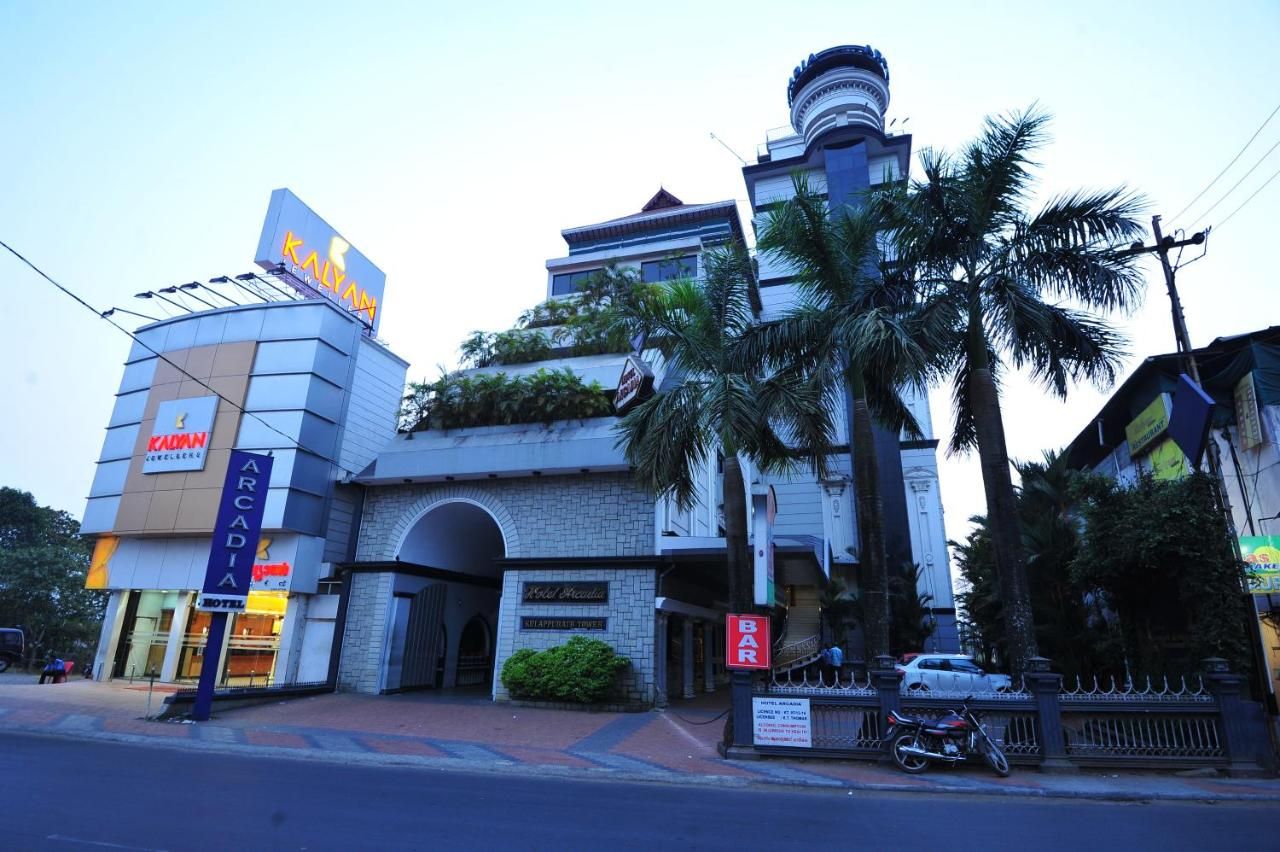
1240	153
1203	215
293	441
1250	198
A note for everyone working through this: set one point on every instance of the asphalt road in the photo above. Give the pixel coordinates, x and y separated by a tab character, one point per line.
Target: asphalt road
63	794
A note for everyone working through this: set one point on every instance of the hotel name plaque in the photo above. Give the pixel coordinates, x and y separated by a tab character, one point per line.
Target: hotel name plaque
530	622
566	593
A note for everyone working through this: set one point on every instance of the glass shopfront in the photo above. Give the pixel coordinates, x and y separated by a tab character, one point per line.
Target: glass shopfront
252	646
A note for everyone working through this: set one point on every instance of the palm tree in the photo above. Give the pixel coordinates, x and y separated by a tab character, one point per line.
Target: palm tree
719	402
855	334
1009	288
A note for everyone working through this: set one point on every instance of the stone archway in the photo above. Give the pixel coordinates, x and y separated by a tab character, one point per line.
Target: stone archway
455	535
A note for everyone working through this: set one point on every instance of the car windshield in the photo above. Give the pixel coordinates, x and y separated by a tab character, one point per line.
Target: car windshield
10	639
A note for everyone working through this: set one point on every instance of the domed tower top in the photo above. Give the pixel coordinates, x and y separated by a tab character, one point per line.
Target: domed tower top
839	87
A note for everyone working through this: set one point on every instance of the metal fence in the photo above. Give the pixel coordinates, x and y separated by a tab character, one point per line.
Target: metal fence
1041	721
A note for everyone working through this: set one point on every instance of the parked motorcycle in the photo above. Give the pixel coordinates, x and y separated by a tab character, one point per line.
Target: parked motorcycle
956	737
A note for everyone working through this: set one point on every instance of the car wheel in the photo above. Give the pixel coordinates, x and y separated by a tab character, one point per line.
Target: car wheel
911	763
4	664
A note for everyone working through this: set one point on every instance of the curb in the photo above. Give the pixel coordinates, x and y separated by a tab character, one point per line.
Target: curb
793	779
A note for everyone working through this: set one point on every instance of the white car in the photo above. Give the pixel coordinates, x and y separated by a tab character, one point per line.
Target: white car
951	673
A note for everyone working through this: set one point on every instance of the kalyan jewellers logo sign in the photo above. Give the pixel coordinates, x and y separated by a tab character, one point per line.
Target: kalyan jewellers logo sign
180	438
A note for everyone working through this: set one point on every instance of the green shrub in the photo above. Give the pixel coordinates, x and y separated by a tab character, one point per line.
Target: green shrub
581	671
455	401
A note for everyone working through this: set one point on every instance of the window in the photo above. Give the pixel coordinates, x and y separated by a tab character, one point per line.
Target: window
966	667
652	271
570	282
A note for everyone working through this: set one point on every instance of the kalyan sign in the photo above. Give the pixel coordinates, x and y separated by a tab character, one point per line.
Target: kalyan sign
747	645
181	435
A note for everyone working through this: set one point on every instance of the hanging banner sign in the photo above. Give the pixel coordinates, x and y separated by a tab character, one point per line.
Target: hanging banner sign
229	575
747	644
1247	419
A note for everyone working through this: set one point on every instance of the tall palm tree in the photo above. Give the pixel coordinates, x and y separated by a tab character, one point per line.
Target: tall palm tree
1010	288
854	331
719	402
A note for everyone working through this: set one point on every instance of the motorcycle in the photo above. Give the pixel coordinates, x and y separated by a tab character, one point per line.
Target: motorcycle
956	737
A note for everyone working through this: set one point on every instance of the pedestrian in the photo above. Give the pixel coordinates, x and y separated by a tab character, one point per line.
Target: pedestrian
824	667
837	661
55	671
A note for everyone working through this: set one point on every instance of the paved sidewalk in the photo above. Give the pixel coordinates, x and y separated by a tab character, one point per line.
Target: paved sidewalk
468	732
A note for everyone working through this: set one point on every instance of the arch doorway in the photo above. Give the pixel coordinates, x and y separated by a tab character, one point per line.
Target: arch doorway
447	581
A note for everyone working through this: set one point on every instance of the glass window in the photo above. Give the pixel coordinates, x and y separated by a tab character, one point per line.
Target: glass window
966	667
665	270
570	282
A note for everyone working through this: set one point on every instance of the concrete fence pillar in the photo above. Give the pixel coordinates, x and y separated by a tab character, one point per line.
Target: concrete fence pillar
708	656
1045	688
686	657
660	659
1240	739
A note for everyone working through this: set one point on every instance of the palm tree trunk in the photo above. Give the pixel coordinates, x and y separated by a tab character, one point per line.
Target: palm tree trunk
1002	508
740	575
874	574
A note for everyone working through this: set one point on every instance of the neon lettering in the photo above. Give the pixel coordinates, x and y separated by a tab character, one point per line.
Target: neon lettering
313	263
291	244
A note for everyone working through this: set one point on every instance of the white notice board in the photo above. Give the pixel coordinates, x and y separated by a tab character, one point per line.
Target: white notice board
782	722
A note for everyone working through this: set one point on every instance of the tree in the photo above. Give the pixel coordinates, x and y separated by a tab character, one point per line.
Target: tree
717	401
43	564
1006	288
854	333
1156	552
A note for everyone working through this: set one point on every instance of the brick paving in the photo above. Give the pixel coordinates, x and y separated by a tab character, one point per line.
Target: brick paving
467	731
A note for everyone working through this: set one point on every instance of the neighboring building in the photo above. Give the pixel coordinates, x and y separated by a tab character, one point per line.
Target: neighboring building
838	142
1130	434
479	541
300	378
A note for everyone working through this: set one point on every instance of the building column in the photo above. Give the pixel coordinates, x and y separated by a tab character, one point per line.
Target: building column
660	659
109	638
177	632
708	656
295	617
686	624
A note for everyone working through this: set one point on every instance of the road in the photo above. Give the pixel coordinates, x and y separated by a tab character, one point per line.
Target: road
63	794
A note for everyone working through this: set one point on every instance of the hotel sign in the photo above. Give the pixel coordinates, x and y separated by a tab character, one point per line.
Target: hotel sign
229	574
318	256
181	434
565	593
635	385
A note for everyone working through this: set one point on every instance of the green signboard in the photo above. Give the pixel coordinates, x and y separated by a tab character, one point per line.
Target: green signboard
1261	555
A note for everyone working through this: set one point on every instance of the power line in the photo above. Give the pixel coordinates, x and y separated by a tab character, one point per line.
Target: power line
102	316
1177	215
1237	183
1250	198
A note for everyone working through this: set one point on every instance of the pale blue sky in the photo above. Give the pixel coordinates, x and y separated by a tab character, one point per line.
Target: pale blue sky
451	145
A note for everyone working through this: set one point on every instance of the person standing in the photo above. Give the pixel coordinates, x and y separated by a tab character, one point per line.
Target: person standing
837	662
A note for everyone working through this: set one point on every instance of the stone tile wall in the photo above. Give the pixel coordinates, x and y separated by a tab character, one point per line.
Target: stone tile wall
629	630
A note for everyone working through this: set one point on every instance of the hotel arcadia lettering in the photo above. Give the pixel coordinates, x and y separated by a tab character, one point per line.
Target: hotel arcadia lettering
635	385
565	593
181	434
318	256
235	535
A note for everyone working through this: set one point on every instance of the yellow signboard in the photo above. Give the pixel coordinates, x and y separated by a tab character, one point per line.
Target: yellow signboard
1148	425
1168	461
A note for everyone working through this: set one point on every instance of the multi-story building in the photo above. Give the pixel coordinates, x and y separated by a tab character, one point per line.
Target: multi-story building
479	541
288	365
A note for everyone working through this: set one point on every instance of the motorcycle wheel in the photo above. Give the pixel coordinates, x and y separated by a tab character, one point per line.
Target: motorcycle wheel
910	763
994	756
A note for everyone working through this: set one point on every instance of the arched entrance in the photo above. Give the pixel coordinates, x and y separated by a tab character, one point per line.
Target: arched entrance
448	594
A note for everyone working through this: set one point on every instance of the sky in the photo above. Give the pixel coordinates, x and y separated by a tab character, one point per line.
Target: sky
451	143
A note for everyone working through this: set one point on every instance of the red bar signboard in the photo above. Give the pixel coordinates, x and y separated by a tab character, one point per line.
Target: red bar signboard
747	645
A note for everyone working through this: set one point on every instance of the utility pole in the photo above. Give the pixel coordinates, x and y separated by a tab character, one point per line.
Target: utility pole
1162	248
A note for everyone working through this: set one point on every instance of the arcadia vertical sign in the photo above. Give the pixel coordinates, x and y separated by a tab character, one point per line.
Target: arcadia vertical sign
235	535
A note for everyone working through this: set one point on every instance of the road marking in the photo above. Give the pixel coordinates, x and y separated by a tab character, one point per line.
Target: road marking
62	838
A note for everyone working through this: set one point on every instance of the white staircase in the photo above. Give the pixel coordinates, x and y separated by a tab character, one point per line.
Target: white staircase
800	644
